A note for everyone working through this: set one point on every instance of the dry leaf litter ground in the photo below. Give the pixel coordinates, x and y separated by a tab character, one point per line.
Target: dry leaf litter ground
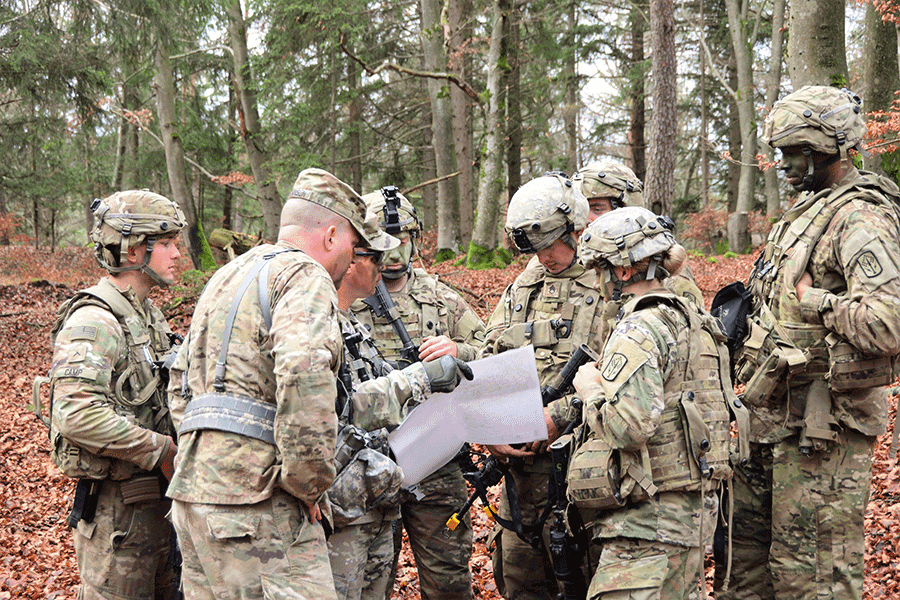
37	559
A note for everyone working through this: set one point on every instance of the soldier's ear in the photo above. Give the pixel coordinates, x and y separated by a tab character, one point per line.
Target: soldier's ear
329	237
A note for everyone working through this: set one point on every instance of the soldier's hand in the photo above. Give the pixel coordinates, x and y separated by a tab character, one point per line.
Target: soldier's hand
315	513
434	347
804	284
445	373
504	452
586	376
538	446
168	464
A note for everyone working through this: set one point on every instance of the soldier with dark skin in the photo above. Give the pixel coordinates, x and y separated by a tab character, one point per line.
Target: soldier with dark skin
825	329
110	426
441	325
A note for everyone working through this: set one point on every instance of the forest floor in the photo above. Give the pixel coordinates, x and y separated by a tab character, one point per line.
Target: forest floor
37	559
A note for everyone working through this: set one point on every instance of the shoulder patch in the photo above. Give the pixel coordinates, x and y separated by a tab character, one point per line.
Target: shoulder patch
83	332
614	366
869	264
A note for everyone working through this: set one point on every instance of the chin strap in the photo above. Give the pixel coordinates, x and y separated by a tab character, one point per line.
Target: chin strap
812	167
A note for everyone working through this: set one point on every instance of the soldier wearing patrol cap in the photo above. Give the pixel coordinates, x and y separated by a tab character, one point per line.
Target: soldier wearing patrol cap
657	407
109	422
826	328
253	394
442	327
365	496
554	306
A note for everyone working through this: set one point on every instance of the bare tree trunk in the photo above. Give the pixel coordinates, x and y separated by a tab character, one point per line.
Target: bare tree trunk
460	32
269	198
513	107
637	91
704	121
743	36
664	120
441	129
816	48
773	85
570	109
354	122
490	190
425	153
178	178
880	74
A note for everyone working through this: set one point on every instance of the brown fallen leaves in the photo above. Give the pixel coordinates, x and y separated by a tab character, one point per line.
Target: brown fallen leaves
37	560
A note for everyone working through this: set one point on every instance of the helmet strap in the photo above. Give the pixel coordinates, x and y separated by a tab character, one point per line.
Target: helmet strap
813	167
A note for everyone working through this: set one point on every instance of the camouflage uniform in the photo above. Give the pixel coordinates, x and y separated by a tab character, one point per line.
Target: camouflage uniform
659	403
621	187
821	364
109	419
428	307
240	499
362	551
555	313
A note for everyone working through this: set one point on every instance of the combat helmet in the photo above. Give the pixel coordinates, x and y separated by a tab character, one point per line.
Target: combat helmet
397	215
544	210
610	180
625	237
816	118
124	220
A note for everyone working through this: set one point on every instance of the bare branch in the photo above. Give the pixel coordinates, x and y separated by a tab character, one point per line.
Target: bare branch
465	87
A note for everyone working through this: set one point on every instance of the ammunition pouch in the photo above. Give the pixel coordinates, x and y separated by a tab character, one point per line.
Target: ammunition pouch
141	489
84	507
367	477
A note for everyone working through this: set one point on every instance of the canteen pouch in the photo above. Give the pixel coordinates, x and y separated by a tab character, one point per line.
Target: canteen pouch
370	479
592	480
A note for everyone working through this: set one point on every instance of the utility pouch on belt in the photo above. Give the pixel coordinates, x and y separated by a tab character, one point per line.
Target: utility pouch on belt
141	489
593	478
850	369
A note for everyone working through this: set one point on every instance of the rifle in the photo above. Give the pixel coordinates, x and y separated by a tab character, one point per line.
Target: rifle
567	550
381	304
492	470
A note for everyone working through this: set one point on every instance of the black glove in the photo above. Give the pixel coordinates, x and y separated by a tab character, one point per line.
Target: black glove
445	373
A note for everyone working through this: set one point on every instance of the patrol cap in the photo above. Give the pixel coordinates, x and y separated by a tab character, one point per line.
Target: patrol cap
326	190
379	239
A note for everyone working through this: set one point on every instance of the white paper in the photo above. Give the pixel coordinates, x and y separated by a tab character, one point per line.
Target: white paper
501	405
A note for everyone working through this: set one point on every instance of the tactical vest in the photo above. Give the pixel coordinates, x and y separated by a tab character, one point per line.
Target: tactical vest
778	352
136	393
555	315
690	449
421	312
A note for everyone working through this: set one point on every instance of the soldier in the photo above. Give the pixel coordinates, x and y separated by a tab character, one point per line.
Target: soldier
664	360
608	186
109	422
253	395
440	323
825	327
361	549
554	306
